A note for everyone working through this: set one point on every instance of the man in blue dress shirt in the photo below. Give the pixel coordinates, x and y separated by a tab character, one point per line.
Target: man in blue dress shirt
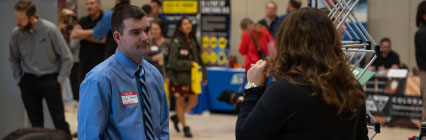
123	97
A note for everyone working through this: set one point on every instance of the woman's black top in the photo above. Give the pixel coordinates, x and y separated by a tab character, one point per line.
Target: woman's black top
289	112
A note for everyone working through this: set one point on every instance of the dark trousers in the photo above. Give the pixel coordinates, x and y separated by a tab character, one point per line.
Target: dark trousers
34	89
75	81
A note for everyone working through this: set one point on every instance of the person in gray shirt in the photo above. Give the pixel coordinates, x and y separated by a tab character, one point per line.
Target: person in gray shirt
40	61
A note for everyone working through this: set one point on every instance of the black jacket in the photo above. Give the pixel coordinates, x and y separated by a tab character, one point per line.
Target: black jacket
180	58
289	112
420	43
271	26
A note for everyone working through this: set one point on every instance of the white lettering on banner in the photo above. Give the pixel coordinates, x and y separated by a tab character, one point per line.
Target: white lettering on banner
381	101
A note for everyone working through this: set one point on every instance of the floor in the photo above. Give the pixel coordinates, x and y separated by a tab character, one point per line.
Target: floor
221	127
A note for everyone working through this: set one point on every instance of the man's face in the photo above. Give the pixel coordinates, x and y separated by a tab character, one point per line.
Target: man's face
136	38
22	20
155	8
271	10
386	47
93	7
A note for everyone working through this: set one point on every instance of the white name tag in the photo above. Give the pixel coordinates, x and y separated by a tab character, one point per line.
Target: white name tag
184	52
129	98
154	48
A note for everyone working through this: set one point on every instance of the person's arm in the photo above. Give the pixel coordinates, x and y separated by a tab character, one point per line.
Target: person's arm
362	131
64	53
103	26
396	62
93	113
81	34
174	62
164	121
245	41
263	114
203	66
15	58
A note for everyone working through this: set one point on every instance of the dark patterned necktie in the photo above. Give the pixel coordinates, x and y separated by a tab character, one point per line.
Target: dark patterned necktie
149	133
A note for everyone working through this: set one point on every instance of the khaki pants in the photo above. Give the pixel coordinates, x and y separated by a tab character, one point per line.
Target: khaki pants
422	91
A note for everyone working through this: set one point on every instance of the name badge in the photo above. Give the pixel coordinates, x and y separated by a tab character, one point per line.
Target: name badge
184	52
129	98
154	48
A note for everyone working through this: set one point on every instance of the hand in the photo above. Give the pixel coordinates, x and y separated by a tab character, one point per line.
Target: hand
157	57
205	83
77	27
167	80
257	73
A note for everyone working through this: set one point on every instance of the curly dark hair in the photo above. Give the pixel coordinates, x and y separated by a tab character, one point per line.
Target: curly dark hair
309	46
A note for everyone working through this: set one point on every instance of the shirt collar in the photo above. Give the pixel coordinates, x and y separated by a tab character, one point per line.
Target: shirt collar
129	66
37	25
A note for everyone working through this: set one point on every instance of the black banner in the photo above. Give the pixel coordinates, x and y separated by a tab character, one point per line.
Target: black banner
394	105
215	31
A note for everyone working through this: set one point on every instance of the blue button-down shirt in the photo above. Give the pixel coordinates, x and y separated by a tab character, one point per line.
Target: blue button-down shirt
101	113
103	26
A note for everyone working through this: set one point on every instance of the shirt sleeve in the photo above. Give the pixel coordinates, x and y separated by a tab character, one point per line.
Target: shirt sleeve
93	113
245	41
103	27
362	131
258	117
64	53
15	57
164	124
397	59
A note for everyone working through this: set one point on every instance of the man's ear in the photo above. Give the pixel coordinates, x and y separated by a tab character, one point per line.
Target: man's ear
116	36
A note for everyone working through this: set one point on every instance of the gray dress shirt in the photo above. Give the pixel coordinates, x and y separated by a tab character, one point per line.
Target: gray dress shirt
41	51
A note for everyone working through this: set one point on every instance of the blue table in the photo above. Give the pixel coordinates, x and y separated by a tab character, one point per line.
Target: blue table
219	79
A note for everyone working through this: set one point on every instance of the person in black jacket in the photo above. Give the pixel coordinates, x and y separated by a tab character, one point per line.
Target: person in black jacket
420	43
315	95
271	16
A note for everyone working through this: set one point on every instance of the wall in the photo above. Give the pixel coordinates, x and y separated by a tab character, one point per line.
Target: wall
395	19
386	18
12	109
254	9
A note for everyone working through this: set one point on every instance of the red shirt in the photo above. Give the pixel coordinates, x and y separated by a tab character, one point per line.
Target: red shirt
248	48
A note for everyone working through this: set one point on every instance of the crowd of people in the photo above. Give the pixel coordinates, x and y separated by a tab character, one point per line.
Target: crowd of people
119	63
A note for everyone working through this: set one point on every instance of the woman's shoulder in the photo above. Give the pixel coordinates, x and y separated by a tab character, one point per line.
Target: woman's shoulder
288	88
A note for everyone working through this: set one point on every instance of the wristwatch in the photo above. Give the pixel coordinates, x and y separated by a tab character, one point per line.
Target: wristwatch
250	85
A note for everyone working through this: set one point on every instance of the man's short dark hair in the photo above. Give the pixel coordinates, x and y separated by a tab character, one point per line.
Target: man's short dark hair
296	3
26	6
157	2
386	39
124	12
